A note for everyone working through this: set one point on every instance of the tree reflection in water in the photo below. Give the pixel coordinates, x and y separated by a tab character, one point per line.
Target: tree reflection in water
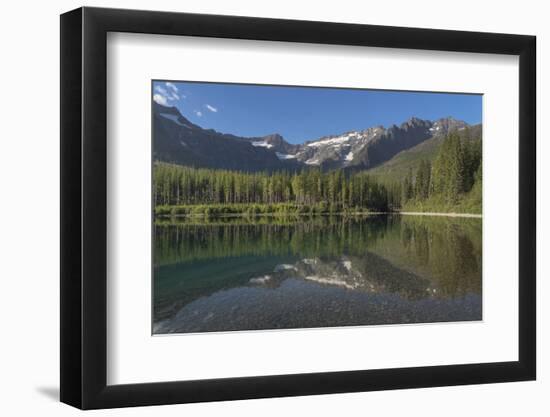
315	272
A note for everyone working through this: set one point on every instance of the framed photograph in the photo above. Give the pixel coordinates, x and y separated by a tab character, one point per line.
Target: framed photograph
257	208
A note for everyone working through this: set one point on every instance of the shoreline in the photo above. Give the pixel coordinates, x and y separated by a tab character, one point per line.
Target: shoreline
403	213
426	213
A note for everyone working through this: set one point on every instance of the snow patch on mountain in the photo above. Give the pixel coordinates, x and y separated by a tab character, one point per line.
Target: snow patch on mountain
338	140
313	161
283	156
175	119
262	144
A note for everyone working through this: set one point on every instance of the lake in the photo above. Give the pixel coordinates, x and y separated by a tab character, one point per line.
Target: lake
261	273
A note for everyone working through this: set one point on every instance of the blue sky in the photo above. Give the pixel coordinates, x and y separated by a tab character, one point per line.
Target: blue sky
301	114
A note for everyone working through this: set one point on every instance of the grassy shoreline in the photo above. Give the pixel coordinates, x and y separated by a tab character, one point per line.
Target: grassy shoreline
287	210
431	213
277	209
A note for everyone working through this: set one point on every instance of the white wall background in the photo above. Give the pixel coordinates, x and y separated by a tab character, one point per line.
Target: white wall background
29	225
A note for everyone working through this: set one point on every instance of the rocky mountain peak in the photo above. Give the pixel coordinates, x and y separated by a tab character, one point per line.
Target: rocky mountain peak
447	124
415	123
186	143
274	139
173	114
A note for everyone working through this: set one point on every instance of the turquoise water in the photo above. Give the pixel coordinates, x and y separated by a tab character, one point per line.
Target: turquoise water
266	273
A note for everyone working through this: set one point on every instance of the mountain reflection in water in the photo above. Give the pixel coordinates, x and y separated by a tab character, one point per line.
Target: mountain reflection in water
266	273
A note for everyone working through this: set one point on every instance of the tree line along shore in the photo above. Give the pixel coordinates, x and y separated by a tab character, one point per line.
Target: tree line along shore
451	183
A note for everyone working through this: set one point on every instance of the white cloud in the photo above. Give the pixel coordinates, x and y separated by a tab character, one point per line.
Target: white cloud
211	108
160	99
165	95
172	86
198	113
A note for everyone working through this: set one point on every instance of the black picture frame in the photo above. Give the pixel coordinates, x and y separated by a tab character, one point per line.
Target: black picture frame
84	207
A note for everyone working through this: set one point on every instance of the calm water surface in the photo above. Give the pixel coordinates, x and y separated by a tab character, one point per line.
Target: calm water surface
265	273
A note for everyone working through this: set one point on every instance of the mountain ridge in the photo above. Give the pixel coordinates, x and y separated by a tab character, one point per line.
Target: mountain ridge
177	140
399	165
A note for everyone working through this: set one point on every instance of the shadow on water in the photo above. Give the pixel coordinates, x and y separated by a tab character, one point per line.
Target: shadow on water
267	273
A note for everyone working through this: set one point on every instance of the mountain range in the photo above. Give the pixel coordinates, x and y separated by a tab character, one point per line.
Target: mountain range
179	141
